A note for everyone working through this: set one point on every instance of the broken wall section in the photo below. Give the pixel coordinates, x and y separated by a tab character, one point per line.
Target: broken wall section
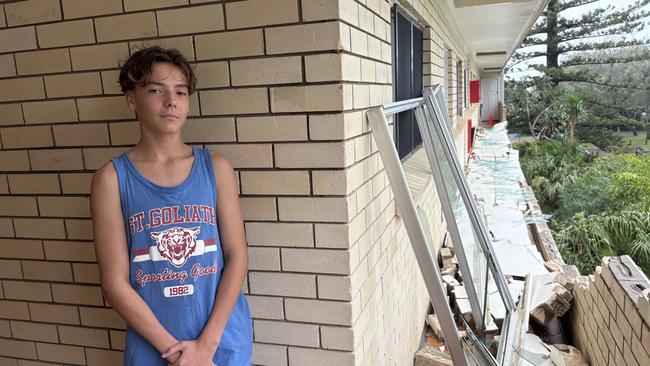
610	315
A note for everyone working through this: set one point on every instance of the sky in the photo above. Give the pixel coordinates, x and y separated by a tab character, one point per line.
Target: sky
575	13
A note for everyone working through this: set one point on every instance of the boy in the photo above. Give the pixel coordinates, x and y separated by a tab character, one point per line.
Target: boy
168	230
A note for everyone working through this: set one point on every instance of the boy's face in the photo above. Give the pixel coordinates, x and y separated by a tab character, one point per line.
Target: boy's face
163	104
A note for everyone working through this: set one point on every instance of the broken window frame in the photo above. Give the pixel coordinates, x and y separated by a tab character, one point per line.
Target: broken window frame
434	100
431	117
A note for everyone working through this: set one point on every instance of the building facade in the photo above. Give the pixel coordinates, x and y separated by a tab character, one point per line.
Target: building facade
283	88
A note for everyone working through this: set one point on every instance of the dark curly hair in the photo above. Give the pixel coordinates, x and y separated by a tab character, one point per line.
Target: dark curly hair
136	71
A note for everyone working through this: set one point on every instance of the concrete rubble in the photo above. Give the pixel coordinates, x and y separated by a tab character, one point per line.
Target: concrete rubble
446	257
432	322
570	355
508	206
537	353
644	305
550	300
430	356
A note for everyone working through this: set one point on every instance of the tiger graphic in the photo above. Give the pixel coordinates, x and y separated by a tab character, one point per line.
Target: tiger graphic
176	244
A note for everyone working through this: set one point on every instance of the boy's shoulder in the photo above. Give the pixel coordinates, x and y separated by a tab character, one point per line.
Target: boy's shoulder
104	179
106	171
219	162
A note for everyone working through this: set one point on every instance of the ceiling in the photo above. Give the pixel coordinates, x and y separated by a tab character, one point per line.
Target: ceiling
492	29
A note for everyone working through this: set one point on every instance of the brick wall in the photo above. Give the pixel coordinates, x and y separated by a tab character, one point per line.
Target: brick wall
610	314
389	299
283	87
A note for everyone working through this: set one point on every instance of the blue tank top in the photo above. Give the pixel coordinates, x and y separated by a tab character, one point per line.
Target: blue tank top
176	260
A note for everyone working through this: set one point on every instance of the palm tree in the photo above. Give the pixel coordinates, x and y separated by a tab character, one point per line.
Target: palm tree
576	113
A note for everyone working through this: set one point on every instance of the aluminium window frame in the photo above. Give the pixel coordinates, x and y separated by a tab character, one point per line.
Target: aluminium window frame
432	105
434	99
414	227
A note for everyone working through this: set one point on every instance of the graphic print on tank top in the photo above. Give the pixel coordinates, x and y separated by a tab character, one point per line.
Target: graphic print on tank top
174	245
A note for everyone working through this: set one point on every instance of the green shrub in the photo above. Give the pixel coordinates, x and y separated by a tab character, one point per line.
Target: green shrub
548	169
584	240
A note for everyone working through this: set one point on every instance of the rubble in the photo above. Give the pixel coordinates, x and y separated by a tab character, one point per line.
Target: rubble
549	300
535	352
569	355
552	265
451	271
446	257
451	282
521	259
432	321
504	202
429	356
644	305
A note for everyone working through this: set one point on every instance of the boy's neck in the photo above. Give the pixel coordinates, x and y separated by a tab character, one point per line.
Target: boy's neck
159	148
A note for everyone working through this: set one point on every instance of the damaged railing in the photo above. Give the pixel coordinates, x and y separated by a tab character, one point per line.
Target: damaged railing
475	254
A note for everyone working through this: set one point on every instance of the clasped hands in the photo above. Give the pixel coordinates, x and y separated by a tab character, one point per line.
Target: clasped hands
190	353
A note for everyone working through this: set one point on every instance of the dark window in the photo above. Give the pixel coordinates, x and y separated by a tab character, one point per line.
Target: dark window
459	88
407	51
465	87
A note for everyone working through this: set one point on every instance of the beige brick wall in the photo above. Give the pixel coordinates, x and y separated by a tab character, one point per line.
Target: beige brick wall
385	277
610	318
283	87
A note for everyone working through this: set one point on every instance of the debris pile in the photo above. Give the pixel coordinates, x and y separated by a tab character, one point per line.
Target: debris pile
498	185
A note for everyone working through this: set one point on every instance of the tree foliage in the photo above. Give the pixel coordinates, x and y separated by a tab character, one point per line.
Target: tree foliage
600	206
610	184
584	240
596	55
549	170
568	40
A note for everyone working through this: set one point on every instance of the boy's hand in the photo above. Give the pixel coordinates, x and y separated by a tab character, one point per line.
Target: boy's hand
173	358
192	353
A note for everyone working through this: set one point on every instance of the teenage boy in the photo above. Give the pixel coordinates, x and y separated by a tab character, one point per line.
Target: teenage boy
169	232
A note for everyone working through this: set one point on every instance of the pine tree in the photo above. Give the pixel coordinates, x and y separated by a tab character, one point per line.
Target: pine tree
604	28
594	53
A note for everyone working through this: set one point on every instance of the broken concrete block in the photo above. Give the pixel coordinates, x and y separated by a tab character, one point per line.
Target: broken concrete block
582	282
450	245
464	308
446	257
570	271
564	294
644	305
459	292
562	354
549	300
450	281
629	276
547	311
606	272
552	265
551	333
432	321
565	281
429	356
451	271
433	341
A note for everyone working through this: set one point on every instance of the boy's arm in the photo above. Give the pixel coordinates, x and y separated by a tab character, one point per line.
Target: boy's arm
235	252
113	260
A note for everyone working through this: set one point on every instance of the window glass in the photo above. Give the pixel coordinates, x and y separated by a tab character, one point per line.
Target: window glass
407	51
459	88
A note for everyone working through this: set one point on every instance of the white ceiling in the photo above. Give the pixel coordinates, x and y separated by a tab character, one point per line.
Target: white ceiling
495	27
